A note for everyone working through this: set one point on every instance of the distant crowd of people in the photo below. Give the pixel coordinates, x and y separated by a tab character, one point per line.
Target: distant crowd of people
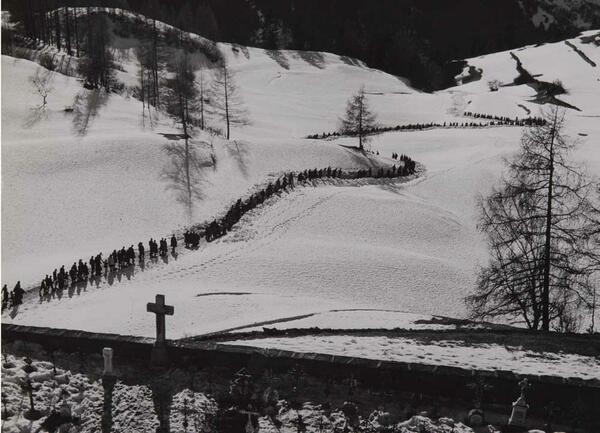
493	121
125	258
504	120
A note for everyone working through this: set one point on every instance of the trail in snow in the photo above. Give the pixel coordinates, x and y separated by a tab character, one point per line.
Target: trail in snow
412	248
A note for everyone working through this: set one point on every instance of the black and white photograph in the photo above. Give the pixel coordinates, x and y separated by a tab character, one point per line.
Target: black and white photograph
300	216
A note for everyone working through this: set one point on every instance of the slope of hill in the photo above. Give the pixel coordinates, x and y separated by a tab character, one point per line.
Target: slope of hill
412	38
70	192
105	159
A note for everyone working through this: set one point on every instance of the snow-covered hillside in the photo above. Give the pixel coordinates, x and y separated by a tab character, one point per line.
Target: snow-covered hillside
78	183
93	180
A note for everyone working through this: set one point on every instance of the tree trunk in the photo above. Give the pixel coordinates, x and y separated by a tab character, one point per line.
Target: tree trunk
187	150
155	63
68	31
226	103
360	118
43	26
89	32
201	100
548	235
76	31
142	90
57	29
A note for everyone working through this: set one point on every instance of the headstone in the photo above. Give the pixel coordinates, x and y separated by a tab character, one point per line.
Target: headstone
159	350
519	407
475	418
107	353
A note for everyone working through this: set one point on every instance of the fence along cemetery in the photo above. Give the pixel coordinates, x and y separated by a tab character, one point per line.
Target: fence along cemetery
278	227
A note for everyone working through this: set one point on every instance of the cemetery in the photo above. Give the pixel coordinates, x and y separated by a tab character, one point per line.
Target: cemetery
102	382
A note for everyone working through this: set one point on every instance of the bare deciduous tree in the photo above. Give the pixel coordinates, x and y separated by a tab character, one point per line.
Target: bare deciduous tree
182	98
358	118
148	74
42	84
226	101
543	227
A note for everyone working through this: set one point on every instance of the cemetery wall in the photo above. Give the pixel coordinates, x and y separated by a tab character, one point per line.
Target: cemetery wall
379	376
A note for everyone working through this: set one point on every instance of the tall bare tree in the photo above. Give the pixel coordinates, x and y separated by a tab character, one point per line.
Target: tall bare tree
57	29
202	96
226	100
68	30
97	66
543	227
148	74
182	96
358	118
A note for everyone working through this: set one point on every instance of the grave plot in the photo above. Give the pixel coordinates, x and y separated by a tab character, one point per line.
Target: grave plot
88	394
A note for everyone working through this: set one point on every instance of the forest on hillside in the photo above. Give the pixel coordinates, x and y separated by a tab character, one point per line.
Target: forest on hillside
417	39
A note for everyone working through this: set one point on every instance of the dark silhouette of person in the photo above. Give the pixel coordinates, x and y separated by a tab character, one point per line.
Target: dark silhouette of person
173	244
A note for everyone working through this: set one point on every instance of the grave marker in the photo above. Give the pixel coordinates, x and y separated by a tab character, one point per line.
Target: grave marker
519	407
107	353
159	350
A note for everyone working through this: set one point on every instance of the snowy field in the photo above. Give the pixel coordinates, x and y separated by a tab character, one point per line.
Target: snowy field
74	184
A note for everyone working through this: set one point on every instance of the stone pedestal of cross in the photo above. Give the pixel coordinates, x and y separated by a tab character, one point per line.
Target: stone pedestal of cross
159	350
107	353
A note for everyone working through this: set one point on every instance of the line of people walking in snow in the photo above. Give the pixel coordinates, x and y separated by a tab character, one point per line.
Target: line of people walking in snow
96	267
492	121
219	227
505	120
125	258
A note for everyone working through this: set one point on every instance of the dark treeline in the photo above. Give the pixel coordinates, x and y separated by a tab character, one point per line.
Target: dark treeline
493	121
122	261
417	39
79	32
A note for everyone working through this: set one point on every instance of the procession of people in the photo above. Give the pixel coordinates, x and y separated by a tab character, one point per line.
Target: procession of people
124	259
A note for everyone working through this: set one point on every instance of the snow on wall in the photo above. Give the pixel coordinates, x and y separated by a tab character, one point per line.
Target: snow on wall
488	357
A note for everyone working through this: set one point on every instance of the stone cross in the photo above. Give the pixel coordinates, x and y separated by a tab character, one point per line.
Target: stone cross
524	384
107	352
160	309
159	350
32	414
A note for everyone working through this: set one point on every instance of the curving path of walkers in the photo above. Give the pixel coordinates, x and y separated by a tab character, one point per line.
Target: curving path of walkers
127	273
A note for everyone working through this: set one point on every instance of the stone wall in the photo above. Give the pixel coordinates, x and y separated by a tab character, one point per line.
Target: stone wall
448	383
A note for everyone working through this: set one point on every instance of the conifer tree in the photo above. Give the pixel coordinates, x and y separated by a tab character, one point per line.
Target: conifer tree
543	226
358	118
